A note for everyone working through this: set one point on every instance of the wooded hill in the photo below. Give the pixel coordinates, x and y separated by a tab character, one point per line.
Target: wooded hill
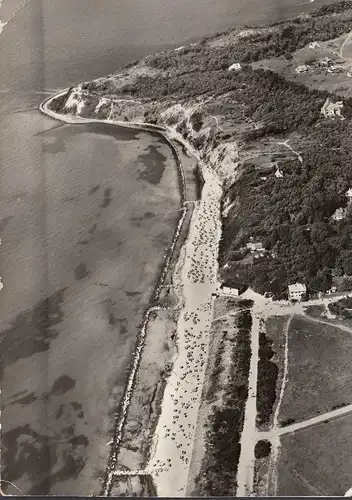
292	215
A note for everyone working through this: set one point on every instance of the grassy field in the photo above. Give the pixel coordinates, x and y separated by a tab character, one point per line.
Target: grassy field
317	76
315	311
317	461
319	370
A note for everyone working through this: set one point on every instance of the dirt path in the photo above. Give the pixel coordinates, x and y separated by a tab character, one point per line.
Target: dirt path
272	480
245	473
333	325
289	429
347	59
286	145
345	42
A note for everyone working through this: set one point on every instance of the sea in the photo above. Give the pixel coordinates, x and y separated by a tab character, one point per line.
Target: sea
86	214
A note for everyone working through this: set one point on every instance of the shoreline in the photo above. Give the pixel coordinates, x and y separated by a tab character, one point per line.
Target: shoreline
191	290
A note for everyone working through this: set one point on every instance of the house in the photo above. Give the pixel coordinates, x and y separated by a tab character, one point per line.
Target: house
349	193
326	61
234	292
314	45
235	66
255	247
302	69
339	214
279	173
296	291
331	109
333	289
334	69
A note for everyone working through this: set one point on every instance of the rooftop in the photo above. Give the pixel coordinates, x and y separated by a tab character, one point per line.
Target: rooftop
297	287
236	66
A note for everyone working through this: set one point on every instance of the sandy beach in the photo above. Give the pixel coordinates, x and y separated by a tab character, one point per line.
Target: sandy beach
175	432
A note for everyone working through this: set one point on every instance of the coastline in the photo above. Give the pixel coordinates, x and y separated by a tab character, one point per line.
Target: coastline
196	285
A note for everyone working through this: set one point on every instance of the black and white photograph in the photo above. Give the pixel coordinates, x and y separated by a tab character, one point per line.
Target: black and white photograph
176	248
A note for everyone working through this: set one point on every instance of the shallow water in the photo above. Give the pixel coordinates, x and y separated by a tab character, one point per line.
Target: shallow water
86	214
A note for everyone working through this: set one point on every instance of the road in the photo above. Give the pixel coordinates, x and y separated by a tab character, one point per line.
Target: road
297	426
329	323
345	42
245	473
348	59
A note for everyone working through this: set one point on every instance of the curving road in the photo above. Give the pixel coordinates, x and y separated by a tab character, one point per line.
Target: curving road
345	42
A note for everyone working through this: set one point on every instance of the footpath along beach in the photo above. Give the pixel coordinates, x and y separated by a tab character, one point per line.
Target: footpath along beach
195	281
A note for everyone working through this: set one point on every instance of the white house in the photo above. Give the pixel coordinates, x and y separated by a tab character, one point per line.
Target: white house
279	173
302	69
349	193
296	291
230	291
255	247
235	66
331	109
339	214
314	45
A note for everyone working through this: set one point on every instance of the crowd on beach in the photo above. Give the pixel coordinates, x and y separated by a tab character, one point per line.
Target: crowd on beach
179	414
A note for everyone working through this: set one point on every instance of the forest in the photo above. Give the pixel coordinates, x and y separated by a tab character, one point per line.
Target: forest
292	216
